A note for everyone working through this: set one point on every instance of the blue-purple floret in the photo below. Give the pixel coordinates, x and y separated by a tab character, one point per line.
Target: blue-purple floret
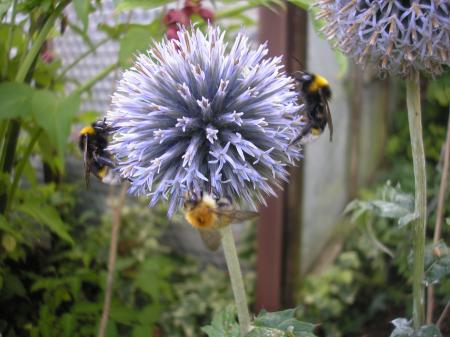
196	115
397	35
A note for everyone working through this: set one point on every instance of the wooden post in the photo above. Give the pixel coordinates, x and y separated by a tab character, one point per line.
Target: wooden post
278	236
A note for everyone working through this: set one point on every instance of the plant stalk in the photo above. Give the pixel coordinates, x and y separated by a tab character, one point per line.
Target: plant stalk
9	39
237	283
21	166
419	225
24	74
91	82
117	213
37	45
80	58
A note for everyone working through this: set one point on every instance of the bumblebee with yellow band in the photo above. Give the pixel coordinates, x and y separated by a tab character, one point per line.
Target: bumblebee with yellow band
208	214
315	92
93	142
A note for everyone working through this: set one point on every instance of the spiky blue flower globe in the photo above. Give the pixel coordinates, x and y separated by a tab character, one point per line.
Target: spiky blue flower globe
397	35
196	114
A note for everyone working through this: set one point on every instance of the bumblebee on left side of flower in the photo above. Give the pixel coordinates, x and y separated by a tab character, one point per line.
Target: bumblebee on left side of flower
93	141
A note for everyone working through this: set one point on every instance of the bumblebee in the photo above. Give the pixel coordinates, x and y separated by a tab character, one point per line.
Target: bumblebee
93	142
208	214
315	92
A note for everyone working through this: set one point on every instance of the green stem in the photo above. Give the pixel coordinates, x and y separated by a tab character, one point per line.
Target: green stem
42	36
24	74
237	282
10	39
3	127
21	167
418	154
80	58
100	75
7	158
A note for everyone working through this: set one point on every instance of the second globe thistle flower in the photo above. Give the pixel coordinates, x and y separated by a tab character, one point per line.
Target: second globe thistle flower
194	114
397	35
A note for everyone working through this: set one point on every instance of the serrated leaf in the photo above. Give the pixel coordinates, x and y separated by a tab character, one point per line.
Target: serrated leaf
281	323
402	328
430	330
48	217
406	219
223	324
437	263
266	332
15	100
388	209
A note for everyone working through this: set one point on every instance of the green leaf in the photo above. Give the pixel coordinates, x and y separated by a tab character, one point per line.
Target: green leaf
137	39
48	217
12	286
126	5
15	100
439	90
83	8
402	328
55	116
4	6
430	330
123	315
111	329
68	323
9	243
281	323
142	331
223	324
437	263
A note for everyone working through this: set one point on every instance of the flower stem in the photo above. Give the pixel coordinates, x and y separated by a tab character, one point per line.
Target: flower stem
418	154
115	230
237	283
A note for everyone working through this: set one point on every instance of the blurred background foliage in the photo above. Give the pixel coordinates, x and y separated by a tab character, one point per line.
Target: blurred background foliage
54	251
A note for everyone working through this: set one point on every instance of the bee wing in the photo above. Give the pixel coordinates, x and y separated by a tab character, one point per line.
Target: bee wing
87	168
328	113
236	215
211	238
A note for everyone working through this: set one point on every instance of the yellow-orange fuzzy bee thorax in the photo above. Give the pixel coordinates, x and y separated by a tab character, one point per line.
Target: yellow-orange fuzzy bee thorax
201	214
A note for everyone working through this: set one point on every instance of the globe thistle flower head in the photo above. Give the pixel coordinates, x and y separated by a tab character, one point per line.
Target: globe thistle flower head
195	115
397	35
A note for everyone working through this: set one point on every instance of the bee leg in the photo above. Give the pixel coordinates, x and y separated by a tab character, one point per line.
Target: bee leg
304	132
103	160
